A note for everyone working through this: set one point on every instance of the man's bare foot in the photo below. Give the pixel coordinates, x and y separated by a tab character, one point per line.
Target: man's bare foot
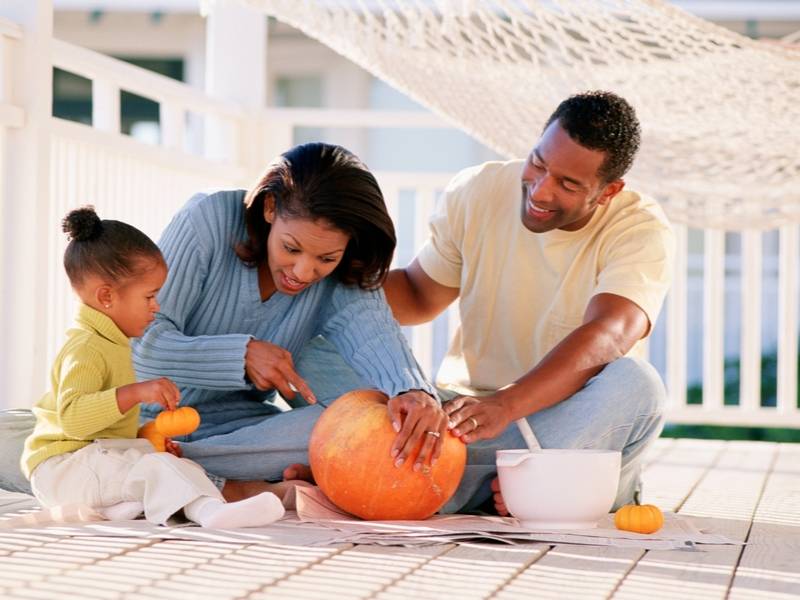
298	471
499	503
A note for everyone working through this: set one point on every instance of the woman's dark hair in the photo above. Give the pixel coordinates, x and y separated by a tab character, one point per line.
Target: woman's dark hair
602	121
325	182
111	249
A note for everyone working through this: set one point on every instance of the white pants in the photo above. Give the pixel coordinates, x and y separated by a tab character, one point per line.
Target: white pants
108	472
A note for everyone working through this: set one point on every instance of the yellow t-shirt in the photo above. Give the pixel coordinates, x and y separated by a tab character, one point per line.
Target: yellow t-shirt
81	405
521	293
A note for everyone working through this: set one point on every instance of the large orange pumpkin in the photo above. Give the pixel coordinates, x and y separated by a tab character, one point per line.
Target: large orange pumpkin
350	455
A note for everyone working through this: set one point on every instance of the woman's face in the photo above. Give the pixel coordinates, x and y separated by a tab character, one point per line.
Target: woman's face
300	252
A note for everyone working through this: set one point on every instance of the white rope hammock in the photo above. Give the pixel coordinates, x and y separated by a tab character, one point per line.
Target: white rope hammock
720	112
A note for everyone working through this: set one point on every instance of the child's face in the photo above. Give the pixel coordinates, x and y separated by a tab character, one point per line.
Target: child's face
135	306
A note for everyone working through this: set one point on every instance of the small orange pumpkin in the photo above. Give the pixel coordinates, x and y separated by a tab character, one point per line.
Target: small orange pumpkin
149	432
639	518
172	423
350	457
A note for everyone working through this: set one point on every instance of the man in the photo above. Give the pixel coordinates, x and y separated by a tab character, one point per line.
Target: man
560	275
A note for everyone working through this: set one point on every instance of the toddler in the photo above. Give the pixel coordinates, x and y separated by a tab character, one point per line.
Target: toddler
83	450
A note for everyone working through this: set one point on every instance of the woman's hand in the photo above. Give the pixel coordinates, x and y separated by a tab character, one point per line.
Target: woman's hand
159	391
473	419
417	416
271	367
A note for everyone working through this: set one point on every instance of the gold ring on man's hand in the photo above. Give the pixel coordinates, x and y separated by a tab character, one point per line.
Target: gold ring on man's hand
435	434
474	422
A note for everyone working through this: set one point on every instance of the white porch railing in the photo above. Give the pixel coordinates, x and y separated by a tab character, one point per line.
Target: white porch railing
10	115
126	179
145	184
752	271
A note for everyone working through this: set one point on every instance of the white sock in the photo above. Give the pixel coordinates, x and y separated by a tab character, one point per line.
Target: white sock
257	511
124	511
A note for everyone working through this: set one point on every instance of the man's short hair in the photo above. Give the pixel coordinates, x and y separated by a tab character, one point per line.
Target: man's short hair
602	121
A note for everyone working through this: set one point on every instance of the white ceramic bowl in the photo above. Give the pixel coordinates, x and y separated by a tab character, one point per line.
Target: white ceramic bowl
558	489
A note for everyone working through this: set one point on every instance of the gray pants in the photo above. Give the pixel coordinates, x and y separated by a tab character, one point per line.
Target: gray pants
15	426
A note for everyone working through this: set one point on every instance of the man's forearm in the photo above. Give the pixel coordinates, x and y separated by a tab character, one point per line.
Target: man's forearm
565	369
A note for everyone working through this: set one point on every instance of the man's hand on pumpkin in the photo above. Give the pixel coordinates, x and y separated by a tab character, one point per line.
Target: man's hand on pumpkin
417	418
473	419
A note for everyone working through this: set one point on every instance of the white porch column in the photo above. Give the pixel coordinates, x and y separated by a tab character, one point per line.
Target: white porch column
26	226
236	70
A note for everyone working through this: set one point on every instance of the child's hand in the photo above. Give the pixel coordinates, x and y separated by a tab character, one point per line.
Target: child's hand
159	391
173	448
156	391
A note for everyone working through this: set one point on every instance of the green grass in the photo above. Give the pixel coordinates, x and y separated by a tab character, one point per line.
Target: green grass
724	432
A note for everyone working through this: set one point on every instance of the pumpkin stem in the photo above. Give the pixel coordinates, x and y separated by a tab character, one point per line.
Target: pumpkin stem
637	497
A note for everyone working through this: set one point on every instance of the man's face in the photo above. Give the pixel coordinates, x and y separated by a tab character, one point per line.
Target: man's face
560	185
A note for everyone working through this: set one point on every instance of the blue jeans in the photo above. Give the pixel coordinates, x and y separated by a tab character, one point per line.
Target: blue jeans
618	409
263	446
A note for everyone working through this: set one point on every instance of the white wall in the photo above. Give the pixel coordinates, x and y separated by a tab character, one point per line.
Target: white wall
138	34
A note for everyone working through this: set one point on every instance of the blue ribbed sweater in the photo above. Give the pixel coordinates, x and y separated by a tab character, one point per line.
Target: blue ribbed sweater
211	308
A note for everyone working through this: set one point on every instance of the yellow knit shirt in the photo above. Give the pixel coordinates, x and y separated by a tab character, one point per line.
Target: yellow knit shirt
81	405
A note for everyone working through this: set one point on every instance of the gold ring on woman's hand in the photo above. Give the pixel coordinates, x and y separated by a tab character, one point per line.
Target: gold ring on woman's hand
435	434
474	422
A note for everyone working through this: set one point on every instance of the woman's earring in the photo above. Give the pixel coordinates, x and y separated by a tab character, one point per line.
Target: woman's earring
107	305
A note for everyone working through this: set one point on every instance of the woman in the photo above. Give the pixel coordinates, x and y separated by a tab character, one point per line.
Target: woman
254	276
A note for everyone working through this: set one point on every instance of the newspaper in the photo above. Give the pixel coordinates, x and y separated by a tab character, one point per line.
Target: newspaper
314	507
318	522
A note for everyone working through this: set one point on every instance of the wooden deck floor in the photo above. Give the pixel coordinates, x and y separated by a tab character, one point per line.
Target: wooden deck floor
748	491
